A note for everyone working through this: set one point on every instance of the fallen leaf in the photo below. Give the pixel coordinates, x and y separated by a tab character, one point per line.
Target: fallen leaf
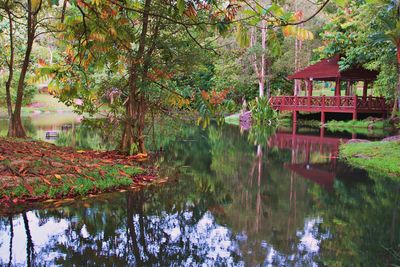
58	176
77	169
45	180
29	188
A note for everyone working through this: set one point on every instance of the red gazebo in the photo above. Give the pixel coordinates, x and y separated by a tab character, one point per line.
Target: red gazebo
328	70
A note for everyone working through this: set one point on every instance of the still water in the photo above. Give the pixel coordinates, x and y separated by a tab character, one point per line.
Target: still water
264	198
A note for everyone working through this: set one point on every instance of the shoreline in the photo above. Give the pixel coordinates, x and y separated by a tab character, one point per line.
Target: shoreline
36	171
381	157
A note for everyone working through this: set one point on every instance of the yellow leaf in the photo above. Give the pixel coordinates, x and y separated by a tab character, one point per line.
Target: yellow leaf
35	4
57	176
80	151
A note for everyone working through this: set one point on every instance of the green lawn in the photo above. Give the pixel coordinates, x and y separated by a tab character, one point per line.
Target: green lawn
378	157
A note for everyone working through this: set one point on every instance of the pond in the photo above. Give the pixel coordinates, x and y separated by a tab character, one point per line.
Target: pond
270	198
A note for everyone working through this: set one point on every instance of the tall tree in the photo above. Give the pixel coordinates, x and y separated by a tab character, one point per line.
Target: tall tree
26	14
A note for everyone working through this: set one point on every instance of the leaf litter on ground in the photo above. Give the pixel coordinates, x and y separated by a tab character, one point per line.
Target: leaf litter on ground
34	170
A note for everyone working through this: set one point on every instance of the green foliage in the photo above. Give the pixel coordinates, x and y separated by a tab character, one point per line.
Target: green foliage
260	133
364	32
262	113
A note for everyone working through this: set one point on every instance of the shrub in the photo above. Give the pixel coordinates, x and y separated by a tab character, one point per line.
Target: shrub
262	112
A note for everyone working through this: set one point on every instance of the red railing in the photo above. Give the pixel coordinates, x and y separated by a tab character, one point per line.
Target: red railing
330	103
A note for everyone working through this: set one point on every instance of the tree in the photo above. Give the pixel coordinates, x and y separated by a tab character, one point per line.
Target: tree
156	42
272	21
30	16
389	17
367	33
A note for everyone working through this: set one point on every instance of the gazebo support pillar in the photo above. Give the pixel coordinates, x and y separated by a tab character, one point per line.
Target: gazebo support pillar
310	87
354	115
348	88
337	87
365	88
322	118
309	90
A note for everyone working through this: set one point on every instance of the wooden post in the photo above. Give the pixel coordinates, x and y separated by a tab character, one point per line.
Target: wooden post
310	87
355	107
337	92
365	88
348	87
322	118
321	135
294	128
354	115
337	87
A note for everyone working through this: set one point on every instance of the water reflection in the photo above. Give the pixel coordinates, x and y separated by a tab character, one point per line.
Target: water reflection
277	197
45	126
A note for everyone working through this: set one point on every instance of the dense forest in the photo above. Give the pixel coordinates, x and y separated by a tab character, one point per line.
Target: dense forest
132	60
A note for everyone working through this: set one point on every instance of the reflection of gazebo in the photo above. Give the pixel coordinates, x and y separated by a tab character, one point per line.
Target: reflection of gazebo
316	173
328	70
324	147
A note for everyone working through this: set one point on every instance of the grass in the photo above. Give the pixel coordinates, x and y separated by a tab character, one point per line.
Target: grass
378	157
380	124
105	179
33	170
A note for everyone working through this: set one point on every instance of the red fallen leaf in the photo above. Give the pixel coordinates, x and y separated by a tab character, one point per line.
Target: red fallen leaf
138	156
2	158
102	173
45	180
21	168
77	169
29	188
124	174
15	200
89	177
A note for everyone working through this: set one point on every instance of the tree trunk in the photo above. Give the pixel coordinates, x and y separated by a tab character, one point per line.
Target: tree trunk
133	132
10	73
261	80
17	129
398	76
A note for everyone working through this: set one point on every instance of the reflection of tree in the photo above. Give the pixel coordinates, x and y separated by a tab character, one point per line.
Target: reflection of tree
85	137
10	219
362	220
260	209
29	243
223	180
28	125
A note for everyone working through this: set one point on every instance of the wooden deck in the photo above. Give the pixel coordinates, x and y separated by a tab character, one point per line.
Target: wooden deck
335	104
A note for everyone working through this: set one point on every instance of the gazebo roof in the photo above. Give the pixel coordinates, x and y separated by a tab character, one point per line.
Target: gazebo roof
328	70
